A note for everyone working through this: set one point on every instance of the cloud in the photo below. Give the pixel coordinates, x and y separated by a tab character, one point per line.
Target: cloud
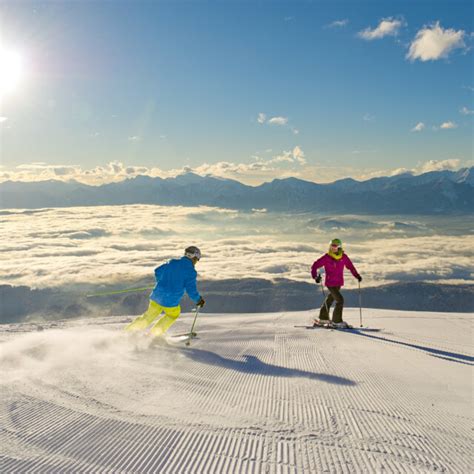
278	121
259	170
438	165
466	111
261	118
276	269
46	171
3	119
298	155
122	245
418	127
386	27
294	156
34	165
64	170
113	171
433	42
368	118
452	164
134	138
88	234
338	23
448	125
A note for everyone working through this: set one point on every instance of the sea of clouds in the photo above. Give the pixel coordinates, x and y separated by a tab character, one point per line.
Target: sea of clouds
69	248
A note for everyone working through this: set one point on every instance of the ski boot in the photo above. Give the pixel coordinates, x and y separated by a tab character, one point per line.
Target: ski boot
321	323
341	325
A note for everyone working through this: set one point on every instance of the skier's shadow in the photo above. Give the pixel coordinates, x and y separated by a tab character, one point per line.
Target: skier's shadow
253	365
446	355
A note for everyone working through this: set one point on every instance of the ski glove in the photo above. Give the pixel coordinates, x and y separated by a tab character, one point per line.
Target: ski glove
201	302
359	278
318	279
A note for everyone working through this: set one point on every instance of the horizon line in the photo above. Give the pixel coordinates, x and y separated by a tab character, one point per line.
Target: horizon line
408	173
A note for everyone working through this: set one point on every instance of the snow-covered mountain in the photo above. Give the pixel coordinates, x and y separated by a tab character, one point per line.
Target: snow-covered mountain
435	192
254	393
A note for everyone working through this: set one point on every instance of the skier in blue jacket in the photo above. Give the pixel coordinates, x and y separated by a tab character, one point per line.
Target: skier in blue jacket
172	280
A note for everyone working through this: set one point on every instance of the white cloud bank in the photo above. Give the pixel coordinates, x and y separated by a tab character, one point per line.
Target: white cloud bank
451	164
434	165
75	247
433	42
113	171
386	27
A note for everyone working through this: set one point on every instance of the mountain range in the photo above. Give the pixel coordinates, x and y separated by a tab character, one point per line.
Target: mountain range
436	192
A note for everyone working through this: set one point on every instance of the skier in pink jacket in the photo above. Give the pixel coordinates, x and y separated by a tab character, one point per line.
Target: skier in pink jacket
333	262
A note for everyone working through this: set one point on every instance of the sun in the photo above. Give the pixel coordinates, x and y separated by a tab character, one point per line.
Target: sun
11	71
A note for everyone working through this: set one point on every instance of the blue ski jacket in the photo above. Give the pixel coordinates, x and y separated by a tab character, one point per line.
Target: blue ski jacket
172	279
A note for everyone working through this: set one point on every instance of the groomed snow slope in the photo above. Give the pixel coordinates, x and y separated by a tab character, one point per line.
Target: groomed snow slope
252	394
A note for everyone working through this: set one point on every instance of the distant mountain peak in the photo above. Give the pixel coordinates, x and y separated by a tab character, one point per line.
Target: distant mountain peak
187	177
143	178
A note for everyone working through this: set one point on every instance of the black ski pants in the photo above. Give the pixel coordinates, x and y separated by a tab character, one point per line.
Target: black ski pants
333	295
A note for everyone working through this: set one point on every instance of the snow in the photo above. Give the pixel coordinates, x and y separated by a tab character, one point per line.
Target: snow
252	393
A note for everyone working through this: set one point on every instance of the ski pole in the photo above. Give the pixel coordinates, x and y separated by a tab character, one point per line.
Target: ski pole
360	305
192	327
117	292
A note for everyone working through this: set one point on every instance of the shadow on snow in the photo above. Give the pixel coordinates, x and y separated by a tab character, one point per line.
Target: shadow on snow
446	355
253	365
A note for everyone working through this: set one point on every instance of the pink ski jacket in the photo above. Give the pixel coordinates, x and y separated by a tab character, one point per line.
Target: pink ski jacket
334	269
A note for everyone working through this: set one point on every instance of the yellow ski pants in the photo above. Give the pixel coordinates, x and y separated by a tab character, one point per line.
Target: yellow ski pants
154	310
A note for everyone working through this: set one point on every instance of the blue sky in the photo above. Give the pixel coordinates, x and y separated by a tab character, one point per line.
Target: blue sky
248	90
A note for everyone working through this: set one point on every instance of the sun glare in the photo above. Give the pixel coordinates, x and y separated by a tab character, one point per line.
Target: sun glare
11	72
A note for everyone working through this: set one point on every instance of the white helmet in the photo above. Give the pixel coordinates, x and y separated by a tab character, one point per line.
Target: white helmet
193	252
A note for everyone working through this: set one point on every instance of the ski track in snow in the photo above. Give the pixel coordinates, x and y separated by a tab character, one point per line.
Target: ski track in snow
252	394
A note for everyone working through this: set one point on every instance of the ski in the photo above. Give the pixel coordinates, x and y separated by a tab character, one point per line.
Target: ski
180	338
348	329
191	334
